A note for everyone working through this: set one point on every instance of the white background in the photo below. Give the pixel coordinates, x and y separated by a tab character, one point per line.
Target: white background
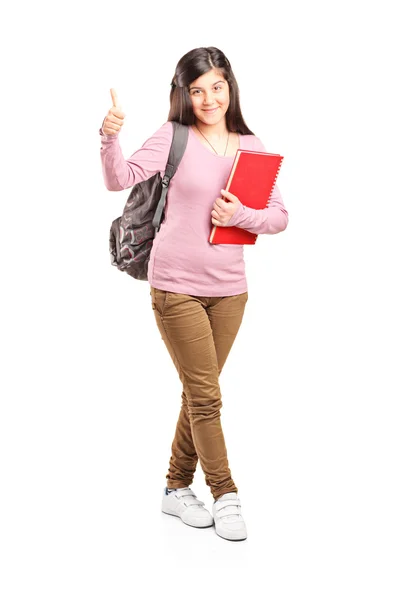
90	396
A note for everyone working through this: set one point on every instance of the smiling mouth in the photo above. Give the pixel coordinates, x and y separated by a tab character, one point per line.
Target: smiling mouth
210	109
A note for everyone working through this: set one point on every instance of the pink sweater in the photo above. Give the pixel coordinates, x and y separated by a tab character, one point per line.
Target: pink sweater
182	259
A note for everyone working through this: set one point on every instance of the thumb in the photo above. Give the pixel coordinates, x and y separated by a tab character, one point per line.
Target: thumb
114	97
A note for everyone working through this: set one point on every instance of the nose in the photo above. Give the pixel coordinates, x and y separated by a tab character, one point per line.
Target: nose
208	98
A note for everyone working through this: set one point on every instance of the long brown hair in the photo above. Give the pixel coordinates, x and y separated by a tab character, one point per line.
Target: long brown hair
191	66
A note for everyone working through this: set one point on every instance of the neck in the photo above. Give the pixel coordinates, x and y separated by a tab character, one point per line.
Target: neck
219	131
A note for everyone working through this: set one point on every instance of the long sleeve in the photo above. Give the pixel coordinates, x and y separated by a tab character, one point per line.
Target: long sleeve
272	219
120	173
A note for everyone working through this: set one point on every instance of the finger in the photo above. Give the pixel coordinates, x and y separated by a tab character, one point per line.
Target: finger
228	195
115	119
113	127
114	97
221	205
117	112
220	202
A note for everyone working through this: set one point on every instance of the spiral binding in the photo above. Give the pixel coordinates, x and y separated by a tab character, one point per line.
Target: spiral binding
276	177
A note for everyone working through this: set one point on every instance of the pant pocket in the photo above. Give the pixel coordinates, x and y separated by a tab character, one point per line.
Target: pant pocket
159	300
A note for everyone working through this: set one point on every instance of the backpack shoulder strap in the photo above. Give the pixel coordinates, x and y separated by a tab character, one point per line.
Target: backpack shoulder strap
177	150
178	147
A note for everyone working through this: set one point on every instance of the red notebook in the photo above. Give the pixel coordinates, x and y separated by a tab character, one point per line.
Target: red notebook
252	178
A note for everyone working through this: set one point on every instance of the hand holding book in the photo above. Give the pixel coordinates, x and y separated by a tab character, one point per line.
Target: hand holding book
224	209
251	186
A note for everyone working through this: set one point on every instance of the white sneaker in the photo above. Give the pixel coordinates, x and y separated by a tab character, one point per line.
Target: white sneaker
183	503
229	522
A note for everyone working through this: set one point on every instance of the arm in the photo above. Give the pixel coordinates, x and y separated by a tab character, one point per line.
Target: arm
151	158
272	219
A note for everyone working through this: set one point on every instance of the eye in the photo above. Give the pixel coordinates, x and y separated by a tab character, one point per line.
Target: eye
217	87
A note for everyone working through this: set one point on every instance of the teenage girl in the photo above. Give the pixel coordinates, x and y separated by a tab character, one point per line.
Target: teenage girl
198	289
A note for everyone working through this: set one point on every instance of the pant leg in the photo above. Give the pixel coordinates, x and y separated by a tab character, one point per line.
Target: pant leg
183	460
185	323
225	316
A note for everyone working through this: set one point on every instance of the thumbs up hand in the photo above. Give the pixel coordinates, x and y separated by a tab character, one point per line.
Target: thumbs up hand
115	117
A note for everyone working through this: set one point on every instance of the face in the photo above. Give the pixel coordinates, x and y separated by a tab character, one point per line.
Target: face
210	91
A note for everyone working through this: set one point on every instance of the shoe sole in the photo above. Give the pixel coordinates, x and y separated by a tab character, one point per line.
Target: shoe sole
231	539
196	526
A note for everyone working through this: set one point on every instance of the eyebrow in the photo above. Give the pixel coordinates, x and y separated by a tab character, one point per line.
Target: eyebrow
200	88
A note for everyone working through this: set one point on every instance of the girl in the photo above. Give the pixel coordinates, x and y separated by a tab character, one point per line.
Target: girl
198	290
